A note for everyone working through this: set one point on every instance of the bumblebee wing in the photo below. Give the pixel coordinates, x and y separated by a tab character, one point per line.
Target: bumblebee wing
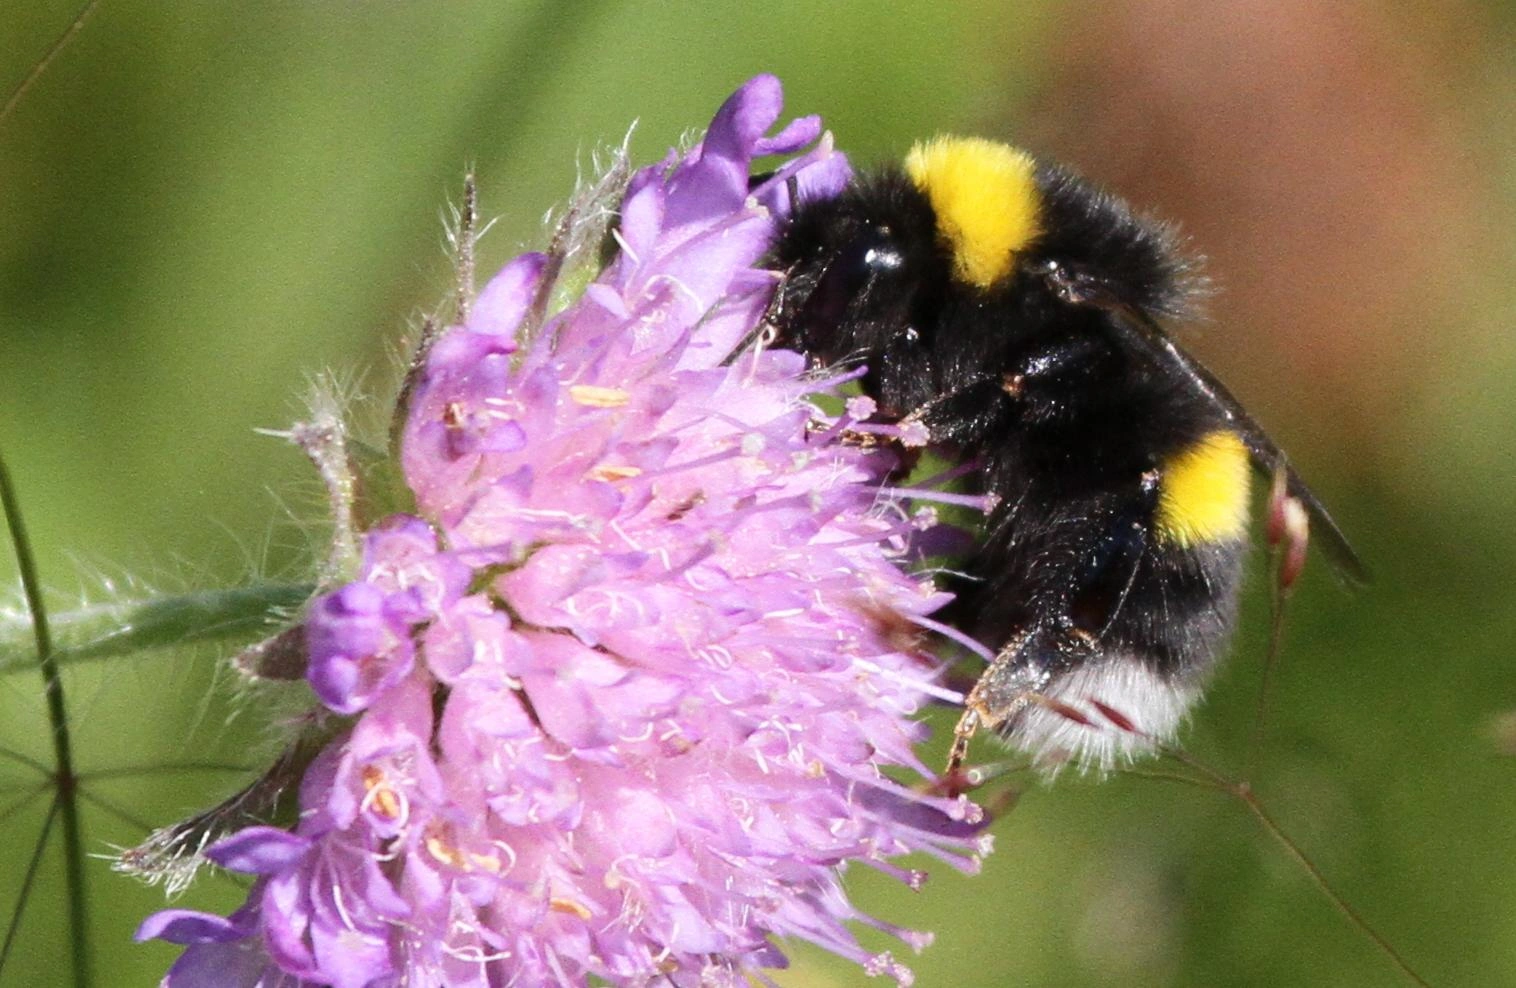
1142	334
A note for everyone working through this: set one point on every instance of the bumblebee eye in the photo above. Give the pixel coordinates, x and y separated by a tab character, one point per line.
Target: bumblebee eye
848	274
870	254
850	264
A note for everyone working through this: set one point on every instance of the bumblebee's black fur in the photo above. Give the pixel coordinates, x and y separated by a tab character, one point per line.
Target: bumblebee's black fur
1043	382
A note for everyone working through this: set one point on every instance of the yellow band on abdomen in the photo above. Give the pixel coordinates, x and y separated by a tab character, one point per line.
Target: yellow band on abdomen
1203	494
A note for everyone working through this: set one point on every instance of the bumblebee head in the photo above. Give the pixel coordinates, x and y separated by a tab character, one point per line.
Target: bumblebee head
864	282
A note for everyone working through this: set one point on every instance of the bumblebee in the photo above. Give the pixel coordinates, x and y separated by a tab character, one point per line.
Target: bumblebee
1015	313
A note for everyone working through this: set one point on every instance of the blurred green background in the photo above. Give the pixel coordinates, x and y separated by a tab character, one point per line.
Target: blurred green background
203	205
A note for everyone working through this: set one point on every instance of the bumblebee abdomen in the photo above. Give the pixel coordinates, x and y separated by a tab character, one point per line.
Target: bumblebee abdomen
1096	604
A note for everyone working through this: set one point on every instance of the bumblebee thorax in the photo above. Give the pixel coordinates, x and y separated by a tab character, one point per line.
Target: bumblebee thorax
985	198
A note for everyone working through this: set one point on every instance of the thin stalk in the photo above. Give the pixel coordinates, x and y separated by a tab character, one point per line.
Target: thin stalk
1278	597
63	758
1242	791
16	95
26	884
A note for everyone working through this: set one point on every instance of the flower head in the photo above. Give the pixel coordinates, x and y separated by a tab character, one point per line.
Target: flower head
625	688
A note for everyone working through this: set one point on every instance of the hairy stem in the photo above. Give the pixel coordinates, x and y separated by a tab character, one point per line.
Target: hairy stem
108	630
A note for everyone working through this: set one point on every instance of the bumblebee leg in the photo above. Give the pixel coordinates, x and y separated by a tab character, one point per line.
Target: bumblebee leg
964	412
1006	687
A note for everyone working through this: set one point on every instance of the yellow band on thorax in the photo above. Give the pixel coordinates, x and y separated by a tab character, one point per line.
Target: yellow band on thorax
1204	490
985	197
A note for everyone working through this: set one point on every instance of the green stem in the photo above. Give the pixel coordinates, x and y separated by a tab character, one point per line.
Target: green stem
125	628
57	715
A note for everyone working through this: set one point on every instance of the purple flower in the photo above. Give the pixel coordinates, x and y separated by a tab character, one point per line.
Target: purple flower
625	692
360	637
